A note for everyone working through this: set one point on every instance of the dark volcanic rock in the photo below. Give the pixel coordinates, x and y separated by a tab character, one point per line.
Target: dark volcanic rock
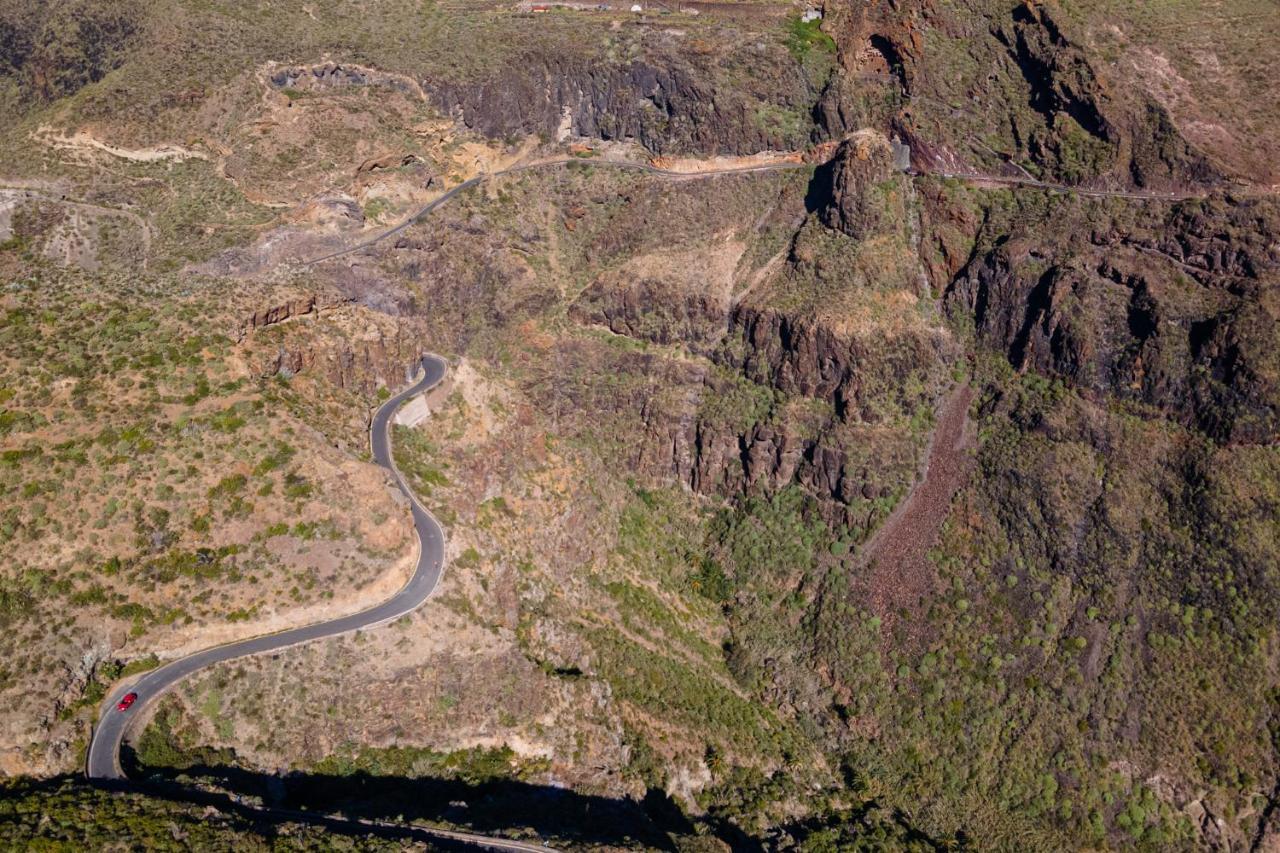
1140	141
660	311
668	106
1042	93
665	101
848	187
799	355
1177	308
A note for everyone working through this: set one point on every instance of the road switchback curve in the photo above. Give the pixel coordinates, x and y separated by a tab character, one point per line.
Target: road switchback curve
103	761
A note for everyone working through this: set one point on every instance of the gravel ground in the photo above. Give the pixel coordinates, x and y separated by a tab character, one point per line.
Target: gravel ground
899	573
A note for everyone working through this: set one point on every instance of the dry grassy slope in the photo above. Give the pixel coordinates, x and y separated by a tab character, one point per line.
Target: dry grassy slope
476	666
162	492
342	161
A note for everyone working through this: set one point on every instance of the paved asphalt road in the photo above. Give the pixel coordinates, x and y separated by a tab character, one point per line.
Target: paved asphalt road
103	761
104	750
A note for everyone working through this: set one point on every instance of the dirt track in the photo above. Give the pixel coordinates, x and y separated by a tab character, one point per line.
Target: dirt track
898	570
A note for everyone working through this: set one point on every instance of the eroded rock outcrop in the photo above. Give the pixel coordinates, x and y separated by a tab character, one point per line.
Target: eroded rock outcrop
667	297
651	309
666	101
334	75
364	364
1043	94
1133	137
287	310
348	348
667	106
799	355
1175	308
850	187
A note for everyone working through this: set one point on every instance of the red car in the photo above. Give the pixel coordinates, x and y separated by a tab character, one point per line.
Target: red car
128	700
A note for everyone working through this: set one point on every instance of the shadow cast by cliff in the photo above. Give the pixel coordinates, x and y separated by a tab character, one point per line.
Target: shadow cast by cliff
513	808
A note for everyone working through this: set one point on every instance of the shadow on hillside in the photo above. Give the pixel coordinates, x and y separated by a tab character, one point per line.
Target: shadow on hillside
821	192
511	808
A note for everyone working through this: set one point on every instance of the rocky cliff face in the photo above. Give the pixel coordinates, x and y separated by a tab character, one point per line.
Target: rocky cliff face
669	101
656	309
652	310
715	432
859	376
351	348
290	309
666	104
849	188
334	75
1129	137
1172	306
1030	88
363	365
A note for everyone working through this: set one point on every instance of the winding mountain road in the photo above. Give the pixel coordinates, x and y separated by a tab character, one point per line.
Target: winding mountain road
103	761
976	179
544	164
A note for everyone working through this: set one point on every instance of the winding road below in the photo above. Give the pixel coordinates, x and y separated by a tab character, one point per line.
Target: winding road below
103	761
889	545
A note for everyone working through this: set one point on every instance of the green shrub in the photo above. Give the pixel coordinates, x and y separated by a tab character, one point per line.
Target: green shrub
804	36
228	486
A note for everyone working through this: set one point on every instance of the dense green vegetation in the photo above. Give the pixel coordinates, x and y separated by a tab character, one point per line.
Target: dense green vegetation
804	36
1018	708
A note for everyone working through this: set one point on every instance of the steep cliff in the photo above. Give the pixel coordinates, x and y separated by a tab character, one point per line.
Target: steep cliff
668	103
1170	305
670	100
352	350
851	188
985	88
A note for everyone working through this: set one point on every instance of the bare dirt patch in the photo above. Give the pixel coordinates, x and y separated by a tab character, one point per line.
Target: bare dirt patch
83	142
